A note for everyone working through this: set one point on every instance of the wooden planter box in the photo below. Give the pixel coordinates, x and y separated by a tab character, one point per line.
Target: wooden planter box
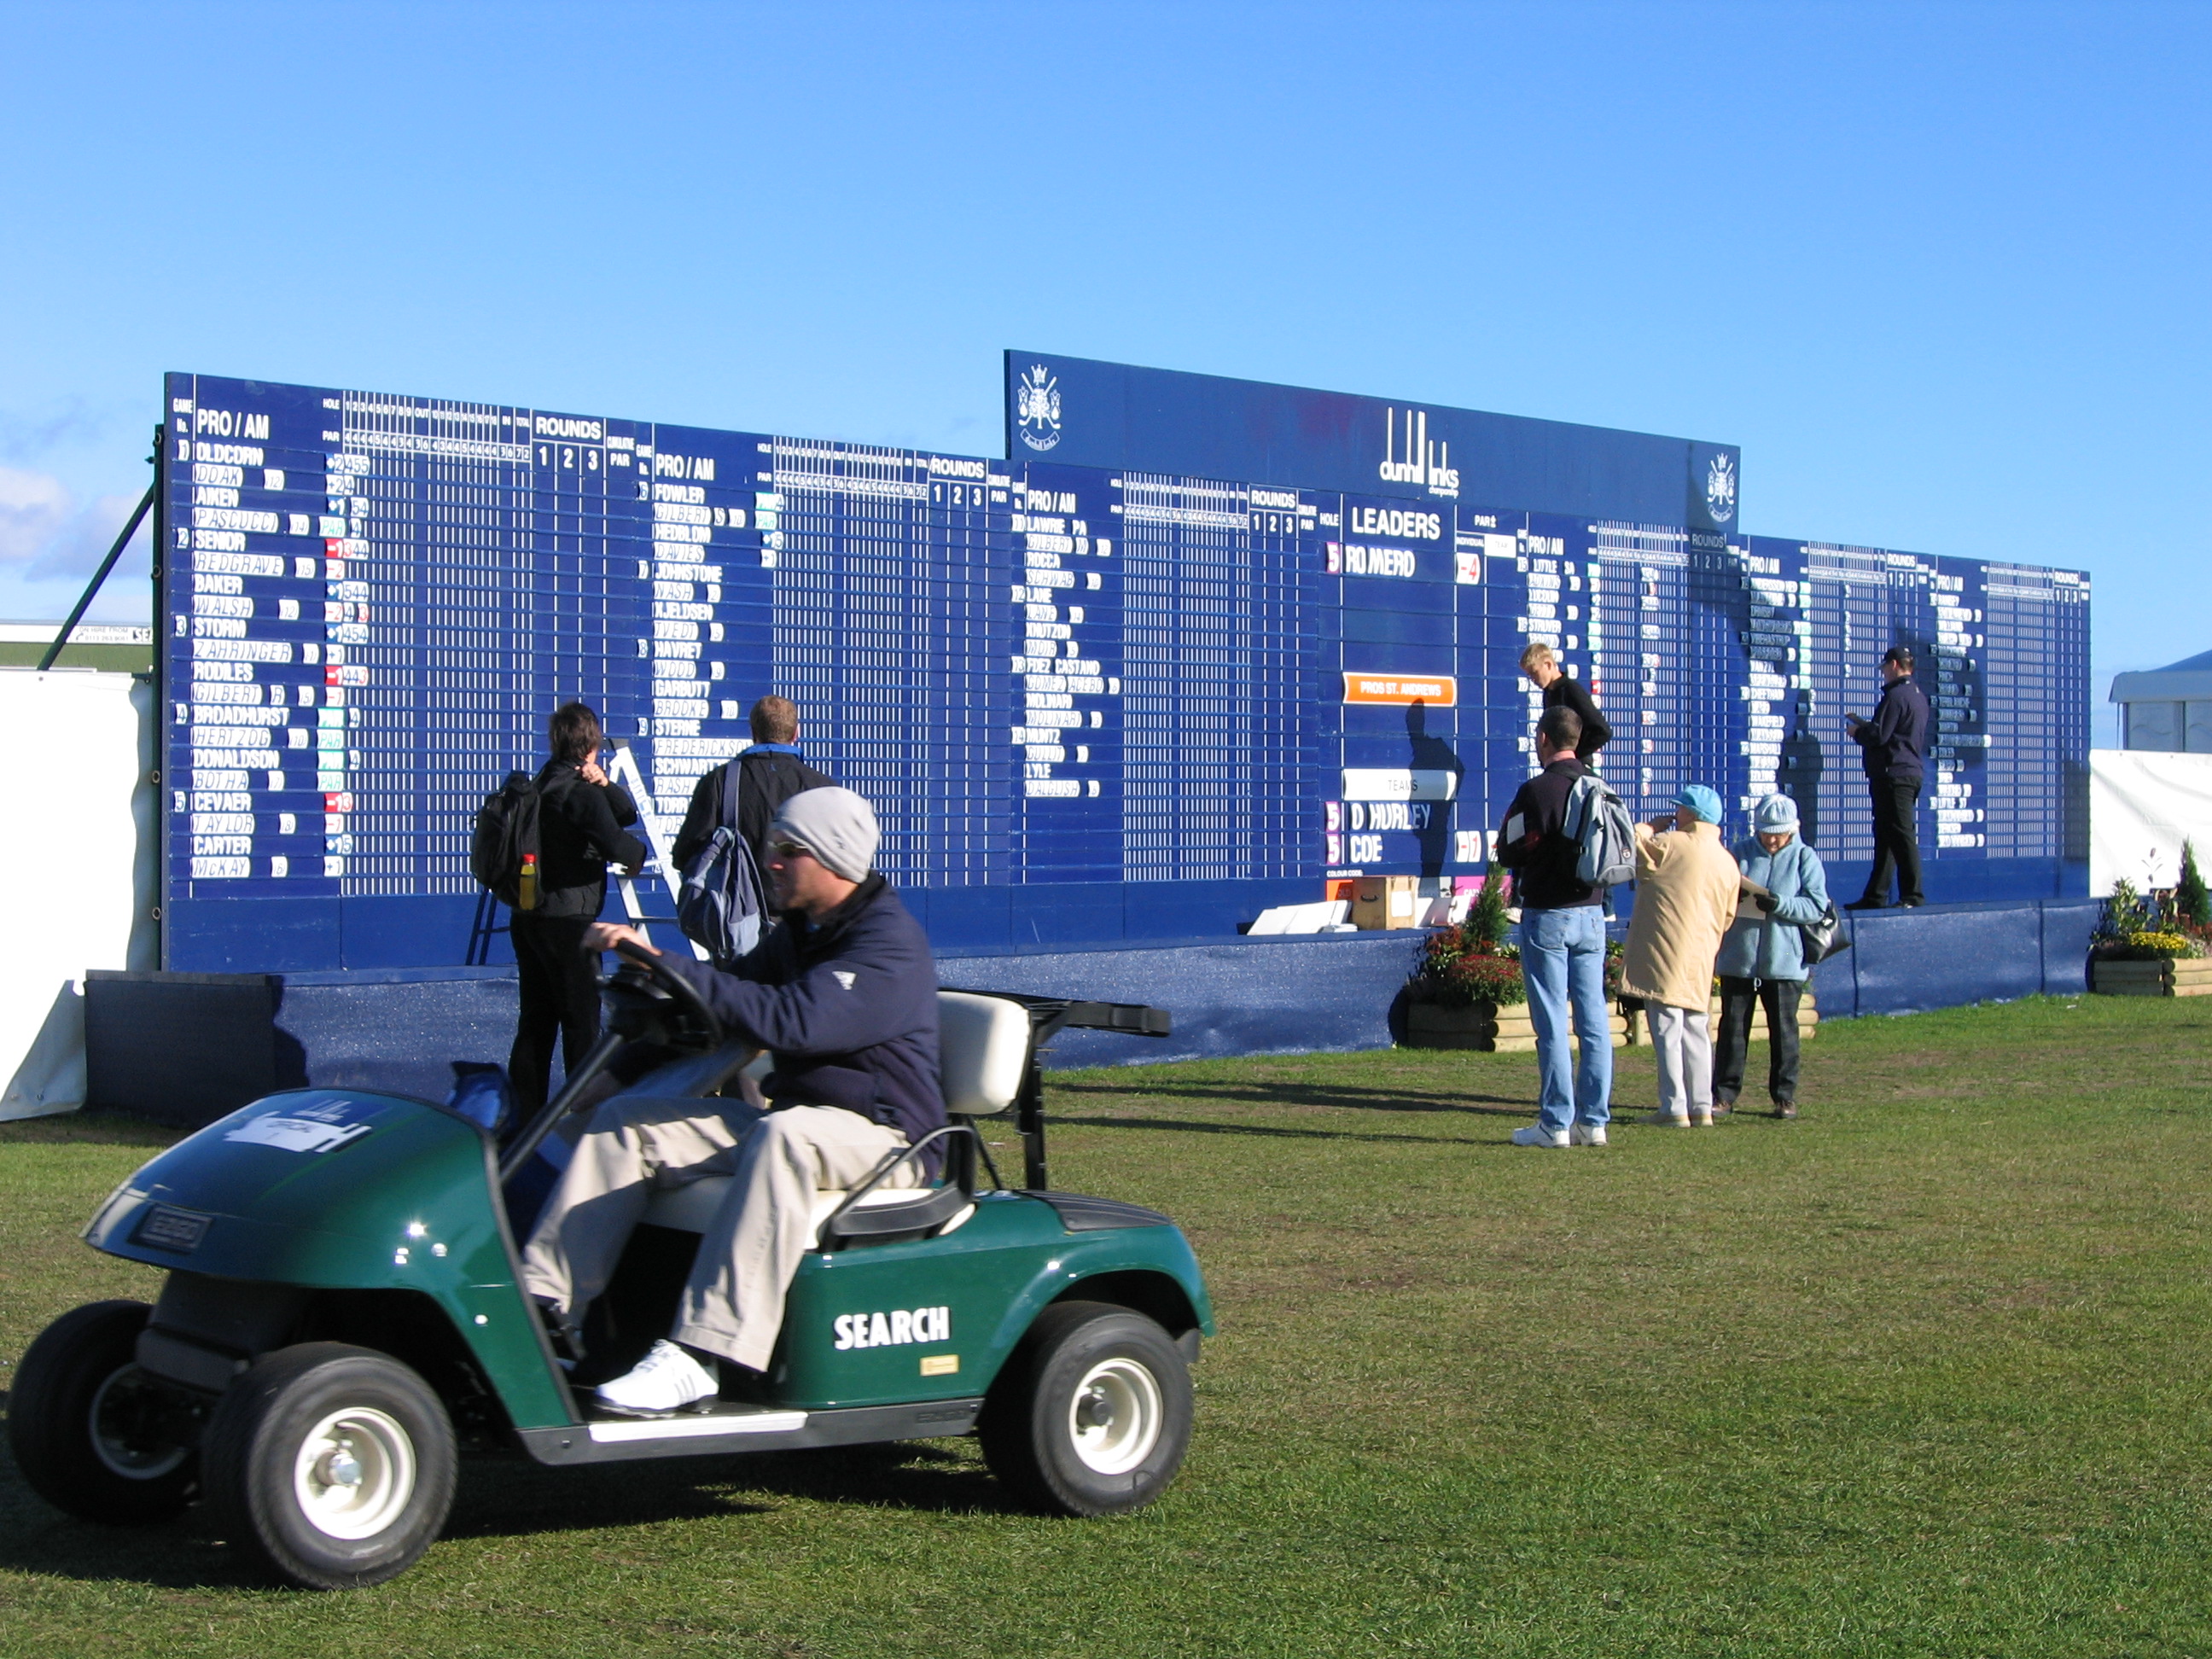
1493	1027
2190	977
1808	1021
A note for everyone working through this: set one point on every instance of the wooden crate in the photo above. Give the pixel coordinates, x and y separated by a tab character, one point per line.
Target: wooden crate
2189	977
1490	1027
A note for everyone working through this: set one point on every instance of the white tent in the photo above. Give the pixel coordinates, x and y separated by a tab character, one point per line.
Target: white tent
79	852
2168	709
2143	804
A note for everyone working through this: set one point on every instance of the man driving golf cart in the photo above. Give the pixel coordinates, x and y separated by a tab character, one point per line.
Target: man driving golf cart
845	998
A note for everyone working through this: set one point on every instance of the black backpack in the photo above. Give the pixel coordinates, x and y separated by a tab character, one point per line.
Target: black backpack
720	906
507	828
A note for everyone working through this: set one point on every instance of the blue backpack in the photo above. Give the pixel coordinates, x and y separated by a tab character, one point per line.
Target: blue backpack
720	906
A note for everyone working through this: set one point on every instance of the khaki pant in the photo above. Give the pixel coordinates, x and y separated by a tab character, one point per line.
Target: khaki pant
1683	1042
733	1303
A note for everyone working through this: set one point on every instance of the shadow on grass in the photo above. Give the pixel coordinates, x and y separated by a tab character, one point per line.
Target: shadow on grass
510	1497
90	1129
1185	1126
1298	1094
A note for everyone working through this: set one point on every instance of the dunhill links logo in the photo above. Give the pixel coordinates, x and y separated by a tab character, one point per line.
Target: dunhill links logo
1423	463
1037	407
1720	489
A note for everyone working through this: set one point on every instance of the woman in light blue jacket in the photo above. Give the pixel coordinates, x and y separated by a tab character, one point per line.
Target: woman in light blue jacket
1762	959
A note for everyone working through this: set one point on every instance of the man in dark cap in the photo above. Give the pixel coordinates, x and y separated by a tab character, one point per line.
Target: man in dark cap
844	996
1894	745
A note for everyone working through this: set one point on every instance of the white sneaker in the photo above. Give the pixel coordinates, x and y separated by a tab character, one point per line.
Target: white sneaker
1701	1118
666	1381
1586	1135
1537	1135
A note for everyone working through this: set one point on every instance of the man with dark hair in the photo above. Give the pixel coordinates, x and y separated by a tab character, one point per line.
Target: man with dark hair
1562	946
1894	745
770	772
1562	691
580	819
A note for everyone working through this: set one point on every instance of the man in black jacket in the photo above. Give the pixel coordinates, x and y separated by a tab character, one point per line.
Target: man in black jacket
1562	946
769	773
1543	670
580	819
1893	746
844	995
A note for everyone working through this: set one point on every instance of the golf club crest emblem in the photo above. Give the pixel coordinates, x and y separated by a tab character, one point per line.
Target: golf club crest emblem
1720	488
1037	407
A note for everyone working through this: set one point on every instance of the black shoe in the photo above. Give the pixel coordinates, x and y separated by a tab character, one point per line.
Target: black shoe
1786	1108
1910	904
1866	905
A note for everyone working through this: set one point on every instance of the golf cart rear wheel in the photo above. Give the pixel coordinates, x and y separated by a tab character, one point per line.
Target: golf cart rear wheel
93	1434
1092	1413
334	1464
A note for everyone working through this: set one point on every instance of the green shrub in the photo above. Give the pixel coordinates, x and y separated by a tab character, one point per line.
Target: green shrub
2125	912
2190	900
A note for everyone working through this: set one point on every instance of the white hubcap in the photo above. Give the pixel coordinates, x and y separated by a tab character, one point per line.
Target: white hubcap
354	1474
1114	1419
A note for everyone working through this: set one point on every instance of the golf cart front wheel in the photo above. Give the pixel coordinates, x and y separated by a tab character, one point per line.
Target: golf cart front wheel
334	1464
93	1435
1092	1413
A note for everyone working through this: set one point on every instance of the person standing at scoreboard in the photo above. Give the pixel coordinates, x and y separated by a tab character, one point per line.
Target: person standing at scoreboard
582	817
1560	691
770	772
1894	745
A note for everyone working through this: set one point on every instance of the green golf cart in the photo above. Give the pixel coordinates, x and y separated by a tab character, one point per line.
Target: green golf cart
342	1318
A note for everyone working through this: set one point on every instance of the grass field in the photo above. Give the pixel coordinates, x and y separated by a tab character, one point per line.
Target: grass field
1925	1371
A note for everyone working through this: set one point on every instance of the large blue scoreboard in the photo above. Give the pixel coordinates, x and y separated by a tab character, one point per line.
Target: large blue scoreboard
1195	646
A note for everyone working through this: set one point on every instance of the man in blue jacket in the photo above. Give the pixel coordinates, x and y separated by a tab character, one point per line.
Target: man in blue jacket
1893	744
844	996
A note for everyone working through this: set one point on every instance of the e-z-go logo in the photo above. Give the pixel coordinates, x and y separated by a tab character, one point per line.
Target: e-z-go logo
1426	464
1720	489
1037	407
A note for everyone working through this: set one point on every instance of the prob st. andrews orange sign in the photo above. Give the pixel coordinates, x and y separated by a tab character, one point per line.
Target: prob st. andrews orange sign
1437	690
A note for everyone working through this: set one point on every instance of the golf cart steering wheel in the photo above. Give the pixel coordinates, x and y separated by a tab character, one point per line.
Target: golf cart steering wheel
678	988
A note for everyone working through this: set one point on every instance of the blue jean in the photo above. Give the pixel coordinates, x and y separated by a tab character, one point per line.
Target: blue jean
1563	963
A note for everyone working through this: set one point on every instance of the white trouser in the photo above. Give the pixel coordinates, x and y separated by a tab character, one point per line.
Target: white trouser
1683	1045
749	1252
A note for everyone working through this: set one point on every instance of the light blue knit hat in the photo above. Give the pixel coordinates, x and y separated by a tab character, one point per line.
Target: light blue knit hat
1700	800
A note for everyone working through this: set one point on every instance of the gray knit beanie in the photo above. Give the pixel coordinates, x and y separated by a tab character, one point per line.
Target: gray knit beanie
837	826
1775	814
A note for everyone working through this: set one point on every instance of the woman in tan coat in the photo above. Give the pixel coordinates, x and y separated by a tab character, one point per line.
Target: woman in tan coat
1685	892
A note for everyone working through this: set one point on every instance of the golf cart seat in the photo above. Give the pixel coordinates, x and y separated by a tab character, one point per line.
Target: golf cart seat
690	1208
983	1055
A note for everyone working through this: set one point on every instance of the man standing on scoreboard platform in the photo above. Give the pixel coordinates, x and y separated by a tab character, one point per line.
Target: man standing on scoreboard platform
1543	669
769	773
1892	745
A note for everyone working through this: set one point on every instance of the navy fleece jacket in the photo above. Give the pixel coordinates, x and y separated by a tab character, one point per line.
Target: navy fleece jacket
848	1007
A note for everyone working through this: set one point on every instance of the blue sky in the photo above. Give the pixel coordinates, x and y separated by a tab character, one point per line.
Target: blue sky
1940	270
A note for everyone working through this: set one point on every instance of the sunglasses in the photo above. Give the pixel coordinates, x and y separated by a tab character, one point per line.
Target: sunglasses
790	849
